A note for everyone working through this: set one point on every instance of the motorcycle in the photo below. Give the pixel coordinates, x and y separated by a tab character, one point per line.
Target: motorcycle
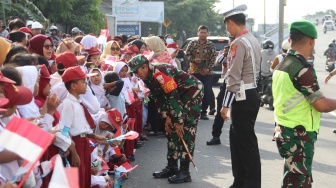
265	92
330	64
324	30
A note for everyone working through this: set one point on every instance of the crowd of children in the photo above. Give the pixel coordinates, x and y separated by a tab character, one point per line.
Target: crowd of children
81	94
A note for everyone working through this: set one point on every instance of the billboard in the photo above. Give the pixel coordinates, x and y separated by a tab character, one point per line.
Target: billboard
128	29
133	10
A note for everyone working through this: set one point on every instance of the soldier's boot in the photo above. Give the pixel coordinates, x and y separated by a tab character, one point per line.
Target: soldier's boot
183	174
170	170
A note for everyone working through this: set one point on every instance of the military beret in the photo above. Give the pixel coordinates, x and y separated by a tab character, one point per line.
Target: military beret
236	10
305	27
136	62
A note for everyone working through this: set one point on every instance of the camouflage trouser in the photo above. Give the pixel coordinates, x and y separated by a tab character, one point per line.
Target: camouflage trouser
296	146
191	111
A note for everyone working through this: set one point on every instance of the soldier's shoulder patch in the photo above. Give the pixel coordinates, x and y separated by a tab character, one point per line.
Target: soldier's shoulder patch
167	83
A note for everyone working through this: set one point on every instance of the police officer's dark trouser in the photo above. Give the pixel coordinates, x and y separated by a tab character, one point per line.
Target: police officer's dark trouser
219	121
245	156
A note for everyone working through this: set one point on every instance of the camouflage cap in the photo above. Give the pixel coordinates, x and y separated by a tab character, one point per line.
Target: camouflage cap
136	62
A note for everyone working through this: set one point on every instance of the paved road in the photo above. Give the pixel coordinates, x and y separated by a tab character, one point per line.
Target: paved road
213	162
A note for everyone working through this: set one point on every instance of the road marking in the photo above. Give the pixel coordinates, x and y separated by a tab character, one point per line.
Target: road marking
332	113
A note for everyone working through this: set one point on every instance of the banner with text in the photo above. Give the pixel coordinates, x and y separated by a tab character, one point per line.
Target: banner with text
128	10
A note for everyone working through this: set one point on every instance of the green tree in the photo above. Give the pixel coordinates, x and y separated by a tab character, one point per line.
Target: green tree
20	8
84	14
187	15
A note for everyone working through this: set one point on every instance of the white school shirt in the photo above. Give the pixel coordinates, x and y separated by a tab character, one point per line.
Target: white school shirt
54	81
90	101
98	180
73	116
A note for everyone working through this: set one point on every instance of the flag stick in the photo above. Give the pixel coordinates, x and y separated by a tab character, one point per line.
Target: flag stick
190	157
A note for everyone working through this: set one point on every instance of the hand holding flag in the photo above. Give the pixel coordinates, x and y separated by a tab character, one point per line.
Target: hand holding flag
131	135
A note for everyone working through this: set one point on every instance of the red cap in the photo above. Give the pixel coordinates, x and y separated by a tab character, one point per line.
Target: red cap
173	45
3	102
68	59
26	30
115	117
17	95
5	79
93	51
75	73
44	73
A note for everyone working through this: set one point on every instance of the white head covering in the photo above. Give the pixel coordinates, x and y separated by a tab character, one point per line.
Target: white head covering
99	89
119	65
88	42
29	76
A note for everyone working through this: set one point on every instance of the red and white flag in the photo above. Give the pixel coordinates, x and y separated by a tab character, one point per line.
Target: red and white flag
63	177
143	89
48	166
125	167
131	135
25	139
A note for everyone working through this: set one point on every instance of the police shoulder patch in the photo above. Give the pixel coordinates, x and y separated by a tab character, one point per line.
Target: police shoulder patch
167	83
233	50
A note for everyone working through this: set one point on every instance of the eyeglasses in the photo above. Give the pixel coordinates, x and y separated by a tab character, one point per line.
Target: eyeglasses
115	49
48	46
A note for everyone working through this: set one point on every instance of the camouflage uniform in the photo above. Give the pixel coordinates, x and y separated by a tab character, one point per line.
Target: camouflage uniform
182	103
296	142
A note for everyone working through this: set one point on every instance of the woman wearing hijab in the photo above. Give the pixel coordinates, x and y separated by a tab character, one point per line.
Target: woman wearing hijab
111	48
141	46
161	54
42	45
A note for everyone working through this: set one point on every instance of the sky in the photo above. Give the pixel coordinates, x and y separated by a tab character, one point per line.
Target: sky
294	10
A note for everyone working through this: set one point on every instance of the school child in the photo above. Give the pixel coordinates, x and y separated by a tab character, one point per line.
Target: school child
78	123
93	56
113	86
97	86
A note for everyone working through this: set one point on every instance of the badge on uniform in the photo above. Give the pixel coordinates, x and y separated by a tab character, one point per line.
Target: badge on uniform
240	94
167	83
233	51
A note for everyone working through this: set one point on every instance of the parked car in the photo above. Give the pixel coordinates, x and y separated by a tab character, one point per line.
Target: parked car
329	24
219	43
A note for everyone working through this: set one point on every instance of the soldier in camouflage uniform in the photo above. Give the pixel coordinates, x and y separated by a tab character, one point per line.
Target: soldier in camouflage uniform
178	97
298	104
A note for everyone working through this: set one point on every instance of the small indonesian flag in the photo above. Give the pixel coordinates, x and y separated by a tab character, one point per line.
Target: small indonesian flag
117	150
48	166
131	135
129	98
143	89
125	167
63	177
25	139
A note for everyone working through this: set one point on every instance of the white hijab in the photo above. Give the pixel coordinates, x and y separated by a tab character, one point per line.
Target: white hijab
88	42
99	89
29	76
127	82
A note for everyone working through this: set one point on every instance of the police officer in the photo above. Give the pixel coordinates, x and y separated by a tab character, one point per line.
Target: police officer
242	98
298	102
178	97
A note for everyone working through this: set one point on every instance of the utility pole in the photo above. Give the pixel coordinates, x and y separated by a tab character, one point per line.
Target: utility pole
264	16
282	4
